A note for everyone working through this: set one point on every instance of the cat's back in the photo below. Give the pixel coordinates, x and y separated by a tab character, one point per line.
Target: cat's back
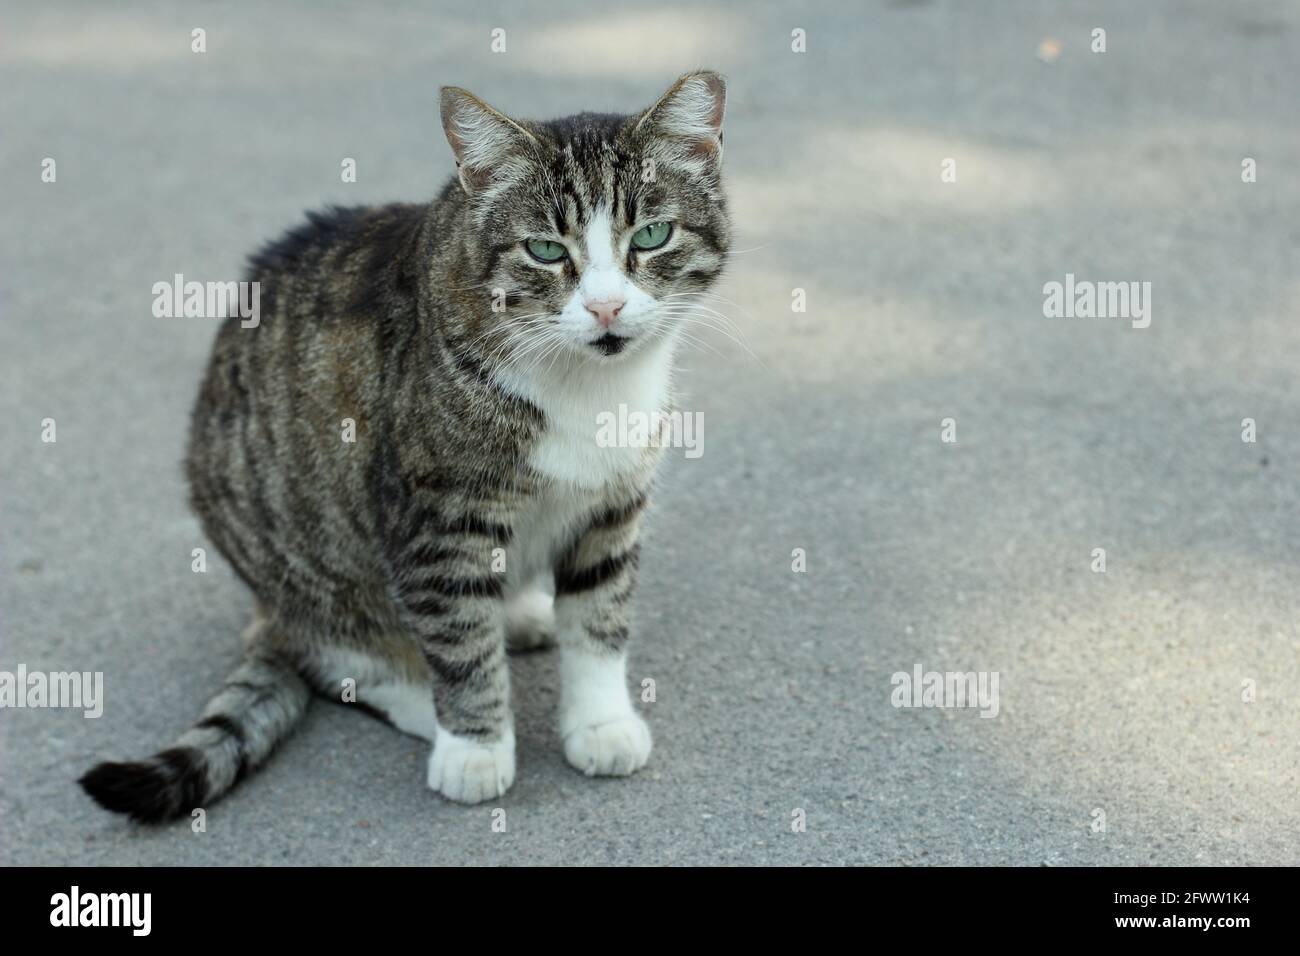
343	253
327	292
281	427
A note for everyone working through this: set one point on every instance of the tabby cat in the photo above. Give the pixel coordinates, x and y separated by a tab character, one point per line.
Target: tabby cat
466	347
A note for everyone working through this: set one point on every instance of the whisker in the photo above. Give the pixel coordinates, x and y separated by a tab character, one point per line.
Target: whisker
688	316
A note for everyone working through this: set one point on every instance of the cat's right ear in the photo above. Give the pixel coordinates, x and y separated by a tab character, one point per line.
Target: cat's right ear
485	142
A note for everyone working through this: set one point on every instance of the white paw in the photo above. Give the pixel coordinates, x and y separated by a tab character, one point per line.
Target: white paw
470	772
615	748
530	621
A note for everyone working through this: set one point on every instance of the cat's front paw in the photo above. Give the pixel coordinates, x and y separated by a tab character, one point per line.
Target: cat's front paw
467	771
615	748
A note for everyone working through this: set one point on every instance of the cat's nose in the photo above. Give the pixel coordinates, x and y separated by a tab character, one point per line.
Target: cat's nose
605	310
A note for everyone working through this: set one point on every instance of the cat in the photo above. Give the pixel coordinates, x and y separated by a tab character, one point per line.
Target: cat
467	347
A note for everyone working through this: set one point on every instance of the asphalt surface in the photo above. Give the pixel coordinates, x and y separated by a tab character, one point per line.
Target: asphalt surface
1120	692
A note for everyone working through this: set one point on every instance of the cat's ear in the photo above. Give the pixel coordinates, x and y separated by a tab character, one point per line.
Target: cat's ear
486	143
688	120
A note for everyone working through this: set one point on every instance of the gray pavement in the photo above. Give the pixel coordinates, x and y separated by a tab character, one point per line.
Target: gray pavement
1120	692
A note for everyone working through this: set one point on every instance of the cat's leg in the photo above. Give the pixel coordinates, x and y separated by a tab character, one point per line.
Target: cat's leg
530	617
473	755
452	601
602	733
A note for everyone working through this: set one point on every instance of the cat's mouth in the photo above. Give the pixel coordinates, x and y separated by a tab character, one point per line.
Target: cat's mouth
609	343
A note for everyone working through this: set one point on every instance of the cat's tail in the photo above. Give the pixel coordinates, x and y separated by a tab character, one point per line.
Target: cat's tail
259	705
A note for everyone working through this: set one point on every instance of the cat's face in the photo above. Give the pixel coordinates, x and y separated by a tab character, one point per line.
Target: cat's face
592	235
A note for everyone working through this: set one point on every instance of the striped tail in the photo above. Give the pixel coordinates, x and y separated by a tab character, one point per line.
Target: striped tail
260	704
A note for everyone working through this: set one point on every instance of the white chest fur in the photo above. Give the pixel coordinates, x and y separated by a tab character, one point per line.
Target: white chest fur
575	394
573	397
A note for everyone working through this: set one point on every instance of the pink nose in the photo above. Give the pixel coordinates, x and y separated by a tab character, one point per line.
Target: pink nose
605	310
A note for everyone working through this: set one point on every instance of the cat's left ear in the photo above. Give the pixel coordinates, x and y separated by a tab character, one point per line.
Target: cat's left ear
487	144
688	120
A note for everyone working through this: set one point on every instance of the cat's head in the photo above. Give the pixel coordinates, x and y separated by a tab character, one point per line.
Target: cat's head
591	235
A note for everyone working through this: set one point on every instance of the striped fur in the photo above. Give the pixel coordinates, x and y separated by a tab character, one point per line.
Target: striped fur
379	559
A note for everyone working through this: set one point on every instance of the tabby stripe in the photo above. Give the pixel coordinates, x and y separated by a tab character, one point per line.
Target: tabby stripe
624	594
573	582
463	627
427	606
568	190
485	709
702	275
431	579
615	516
241	390
615	636
416	521
494	256
457	672
228	726
188	767
465	587
709	235
476	731
426	553
470	523
225	725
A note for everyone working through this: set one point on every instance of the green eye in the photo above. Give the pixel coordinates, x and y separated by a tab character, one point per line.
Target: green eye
544	250
652	236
